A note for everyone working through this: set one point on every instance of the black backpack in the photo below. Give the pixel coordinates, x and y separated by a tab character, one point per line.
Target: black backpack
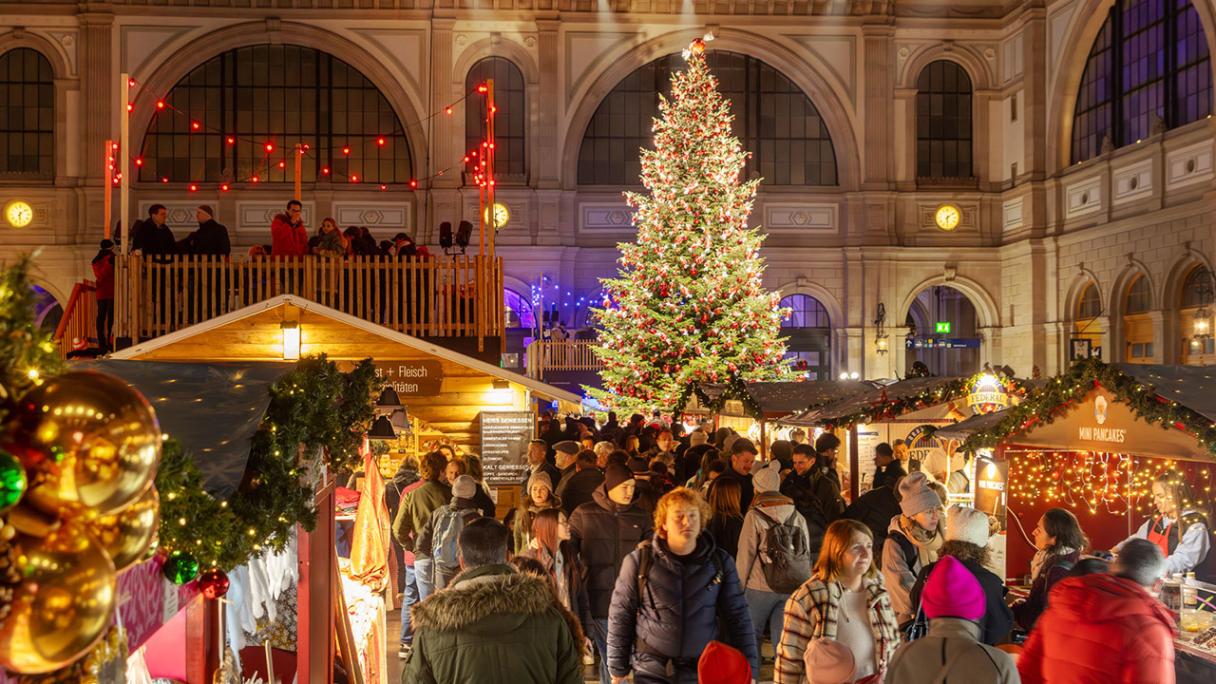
784	555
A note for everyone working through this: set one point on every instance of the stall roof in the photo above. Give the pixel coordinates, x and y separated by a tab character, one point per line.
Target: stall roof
211	409
962	430
537	387
1192	386
777	399
847	406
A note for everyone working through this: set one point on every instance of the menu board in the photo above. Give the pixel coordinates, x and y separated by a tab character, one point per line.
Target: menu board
504	445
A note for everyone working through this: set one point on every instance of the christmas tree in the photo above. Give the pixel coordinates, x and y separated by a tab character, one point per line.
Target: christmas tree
688	305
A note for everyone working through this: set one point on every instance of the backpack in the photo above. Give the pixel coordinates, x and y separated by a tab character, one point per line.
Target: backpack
449	523
785	555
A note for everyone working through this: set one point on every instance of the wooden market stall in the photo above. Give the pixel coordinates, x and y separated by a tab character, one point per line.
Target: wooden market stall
1093	441
444	398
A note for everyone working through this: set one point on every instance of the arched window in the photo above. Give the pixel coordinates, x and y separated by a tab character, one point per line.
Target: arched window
774	120
279	95
1139	298
1137	326
1197	289
27	115
808	334
1089	305
1148	67
518	310
510	119
943	121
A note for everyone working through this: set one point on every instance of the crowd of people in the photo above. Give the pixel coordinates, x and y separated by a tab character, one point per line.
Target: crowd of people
670	557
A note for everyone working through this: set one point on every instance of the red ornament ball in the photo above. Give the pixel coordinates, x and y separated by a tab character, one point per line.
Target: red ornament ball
213	583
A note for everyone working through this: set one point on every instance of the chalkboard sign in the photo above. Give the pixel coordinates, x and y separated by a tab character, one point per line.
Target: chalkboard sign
504	445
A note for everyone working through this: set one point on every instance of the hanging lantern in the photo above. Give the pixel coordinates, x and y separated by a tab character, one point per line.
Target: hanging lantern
382	429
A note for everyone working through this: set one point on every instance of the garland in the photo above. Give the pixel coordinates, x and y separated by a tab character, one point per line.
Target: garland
313	408
1061	392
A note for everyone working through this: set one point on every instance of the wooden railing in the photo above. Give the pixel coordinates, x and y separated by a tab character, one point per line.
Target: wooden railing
567	355
436	297
79	321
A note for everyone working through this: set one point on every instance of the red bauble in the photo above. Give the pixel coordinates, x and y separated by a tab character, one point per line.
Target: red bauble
213	583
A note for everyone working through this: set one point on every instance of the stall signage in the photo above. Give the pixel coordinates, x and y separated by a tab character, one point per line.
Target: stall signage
414	378
928	451
941	343
1099	433
987	394
504	445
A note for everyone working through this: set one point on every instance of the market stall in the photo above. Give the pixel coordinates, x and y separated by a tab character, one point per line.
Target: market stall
911	411
1093	441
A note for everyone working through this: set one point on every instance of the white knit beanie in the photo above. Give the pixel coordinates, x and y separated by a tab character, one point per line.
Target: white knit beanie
967	525
768	478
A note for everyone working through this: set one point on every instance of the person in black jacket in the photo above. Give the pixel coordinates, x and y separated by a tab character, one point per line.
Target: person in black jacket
537	462
603	531
967	541
151	235
669	596
726	518
797	485
577	489
825	480
742	458
887	468
874	509
211	237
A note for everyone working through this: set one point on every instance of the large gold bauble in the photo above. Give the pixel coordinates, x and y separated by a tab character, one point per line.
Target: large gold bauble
125	535
65	604
90	443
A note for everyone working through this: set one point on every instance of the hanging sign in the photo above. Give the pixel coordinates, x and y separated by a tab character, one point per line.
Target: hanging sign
504	445
412	378
928	451
987	394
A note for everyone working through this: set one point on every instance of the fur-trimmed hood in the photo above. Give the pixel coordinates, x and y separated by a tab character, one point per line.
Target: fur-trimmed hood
489	590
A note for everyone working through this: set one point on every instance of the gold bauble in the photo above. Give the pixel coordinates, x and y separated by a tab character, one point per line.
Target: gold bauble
125	535
64	605
89	442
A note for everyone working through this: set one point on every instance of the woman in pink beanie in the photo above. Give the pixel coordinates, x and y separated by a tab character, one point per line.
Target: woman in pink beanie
954	602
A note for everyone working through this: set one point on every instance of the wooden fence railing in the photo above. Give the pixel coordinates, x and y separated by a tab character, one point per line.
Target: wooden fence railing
437	297
567	355
79	322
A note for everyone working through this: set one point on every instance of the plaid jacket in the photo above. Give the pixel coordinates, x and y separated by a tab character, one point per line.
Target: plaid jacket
812	612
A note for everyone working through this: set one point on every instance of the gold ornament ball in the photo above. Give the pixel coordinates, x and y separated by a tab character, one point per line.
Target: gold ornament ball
90	443
64	605
126	535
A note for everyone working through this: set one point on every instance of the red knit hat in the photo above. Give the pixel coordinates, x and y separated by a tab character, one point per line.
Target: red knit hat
721	664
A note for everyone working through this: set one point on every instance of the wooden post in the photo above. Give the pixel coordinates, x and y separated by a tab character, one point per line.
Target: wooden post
124	180
107	197
491	110
299	161
854	465
315	617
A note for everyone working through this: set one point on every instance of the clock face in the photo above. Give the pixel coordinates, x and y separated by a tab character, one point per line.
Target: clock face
18	214
948	217
502	216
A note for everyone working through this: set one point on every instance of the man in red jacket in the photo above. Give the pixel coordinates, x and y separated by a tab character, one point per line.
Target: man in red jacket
288	235
1104	628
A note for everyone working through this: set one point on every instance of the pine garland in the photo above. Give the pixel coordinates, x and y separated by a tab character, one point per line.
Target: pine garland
1048	403
314	407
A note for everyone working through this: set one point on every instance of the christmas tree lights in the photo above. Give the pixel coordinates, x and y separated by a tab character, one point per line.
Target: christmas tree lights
688	306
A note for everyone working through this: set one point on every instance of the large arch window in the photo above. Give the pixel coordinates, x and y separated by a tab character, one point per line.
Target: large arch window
943	121
1085	319
1149	63
774	120
1195	304
27	115
808	332
283	95
510	119
1137	325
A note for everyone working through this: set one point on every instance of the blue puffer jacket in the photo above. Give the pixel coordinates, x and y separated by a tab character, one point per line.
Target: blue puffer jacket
685	601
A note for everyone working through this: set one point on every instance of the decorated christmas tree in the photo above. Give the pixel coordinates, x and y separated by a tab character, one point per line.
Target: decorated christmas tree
688	306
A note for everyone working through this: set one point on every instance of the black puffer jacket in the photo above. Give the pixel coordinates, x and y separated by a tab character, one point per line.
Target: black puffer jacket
685	602
604	533
579	488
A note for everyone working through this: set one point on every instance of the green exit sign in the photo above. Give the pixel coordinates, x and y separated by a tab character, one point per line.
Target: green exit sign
942	327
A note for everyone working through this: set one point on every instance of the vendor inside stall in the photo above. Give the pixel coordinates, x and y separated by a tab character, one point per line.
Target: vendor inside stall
1180	526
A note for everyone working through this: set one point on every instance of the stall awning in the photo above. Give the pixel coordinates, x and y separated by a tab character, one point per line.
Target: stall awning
1192	386
875	395
962	430
779	399
211	409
